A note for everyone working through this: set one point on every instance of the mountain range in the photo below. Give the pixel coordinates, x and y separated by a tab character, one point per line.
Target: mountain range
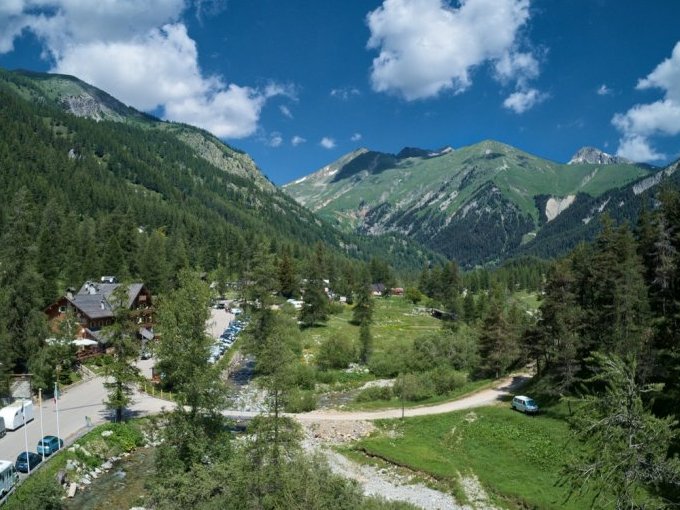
98	162
478	204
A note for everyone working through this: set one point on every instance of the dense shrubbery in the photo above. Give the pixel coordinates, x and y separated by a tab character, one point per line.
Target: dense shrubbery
337	352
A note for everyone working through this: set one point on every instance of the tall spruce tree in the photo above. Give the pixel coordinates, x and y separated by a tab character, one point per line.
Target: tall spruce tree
121	372
498	343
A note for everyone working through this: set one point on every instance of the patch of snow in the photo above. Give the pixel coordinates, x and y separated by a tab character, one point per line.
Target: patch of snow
587	219
303	179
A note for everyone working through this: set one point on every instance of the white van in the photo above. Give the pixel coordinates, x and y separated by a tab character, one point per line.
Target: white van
524	405
14	415
8	477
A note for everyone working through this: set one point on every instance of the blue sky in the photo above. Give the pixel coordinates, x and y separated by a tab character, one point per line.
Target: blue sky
297	84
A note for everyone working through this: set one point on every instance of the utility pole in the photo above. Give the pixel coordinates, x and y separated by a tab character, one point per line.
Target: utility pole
23	417
56	403
42	431
401	376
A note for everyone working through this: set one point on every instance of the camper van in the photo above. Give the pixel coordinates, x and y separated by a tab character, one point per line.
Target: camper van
8	477
14	414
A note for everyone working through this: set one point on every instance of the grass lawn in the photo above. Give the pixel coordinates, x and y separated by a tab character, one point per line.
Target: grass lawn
517	458
394	318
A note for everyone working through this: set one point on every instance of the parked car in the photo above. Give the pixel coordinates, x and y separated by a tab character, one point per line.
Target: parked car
49	444
26	461
524	404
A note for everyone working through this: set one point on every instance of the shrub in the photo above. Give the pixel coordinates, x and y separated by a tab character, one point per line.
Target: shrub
300	401
414	387
445	379
335	308
326	376
337	352
304	376
391	361
374	393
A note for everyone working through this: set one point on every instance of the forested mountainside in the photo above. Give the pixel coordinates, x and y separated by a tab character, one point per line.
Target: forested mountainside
103	189
476	204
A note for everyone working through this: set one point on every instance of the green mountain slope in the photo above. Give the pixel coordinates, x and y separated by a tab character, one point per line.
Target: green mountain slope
476	204
115	191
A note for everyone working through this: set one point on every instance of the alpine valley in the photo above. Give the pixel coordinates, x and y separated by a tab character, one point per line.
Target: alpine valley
103	172
479	204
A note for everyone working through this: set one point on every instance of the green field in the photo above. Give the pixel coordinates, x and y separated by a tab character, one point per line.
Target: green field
517	458
394	320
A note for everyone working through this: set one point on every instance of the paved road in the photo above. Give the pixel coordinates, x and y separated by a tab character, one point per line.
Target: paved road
79	402
86	400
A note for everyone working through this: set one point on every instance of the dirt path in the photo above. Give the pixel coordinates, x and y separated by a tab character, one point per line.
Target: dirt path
502	388
328	427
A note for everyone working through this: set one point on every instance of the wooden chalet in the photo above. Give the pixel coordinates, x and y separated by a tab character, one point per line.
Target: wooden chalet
93	308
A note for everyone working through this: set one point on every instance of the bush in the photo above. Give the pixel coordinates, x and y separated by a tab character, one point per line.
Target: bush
337	352
326	376
335	308
456	349
374	393
304	376
300	401
391	361
414	387
445	379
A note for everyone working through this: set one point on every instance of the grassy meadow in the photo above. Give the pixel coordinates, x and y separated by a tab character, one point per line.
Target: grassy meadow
516	458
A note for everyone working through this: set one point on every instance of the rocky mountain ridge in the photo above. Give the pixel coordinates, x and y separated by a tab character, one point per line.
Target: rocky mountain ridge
477	204
593	156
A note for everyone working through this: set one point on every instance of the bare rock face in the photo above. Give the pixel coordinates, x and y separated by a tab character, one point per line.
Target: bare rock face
84	105
594	156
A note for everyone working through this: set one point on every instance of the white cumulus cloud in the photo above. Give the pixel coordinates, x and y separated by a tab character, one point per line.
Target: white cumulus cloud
345	93
141	53
297	140
523	100
427	46
660	118
603	90
275	139
327	143
356	137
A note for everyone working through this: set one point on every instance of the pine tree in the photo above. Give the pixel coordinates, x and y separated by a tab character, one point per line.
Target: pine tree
498	343
365	342
559	345
121	373
184	346
362	313
315	301
288	283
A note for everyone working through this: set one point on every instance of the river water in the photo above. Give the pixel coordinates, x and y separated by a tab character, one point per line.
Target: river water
120	488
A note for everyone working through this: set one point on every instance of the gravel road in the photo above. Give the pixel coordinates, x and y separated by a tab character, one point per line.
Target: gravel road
503	388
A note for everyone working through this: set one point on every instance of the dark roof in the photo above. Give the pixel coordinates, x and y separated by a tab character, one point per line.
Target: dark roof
95	299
